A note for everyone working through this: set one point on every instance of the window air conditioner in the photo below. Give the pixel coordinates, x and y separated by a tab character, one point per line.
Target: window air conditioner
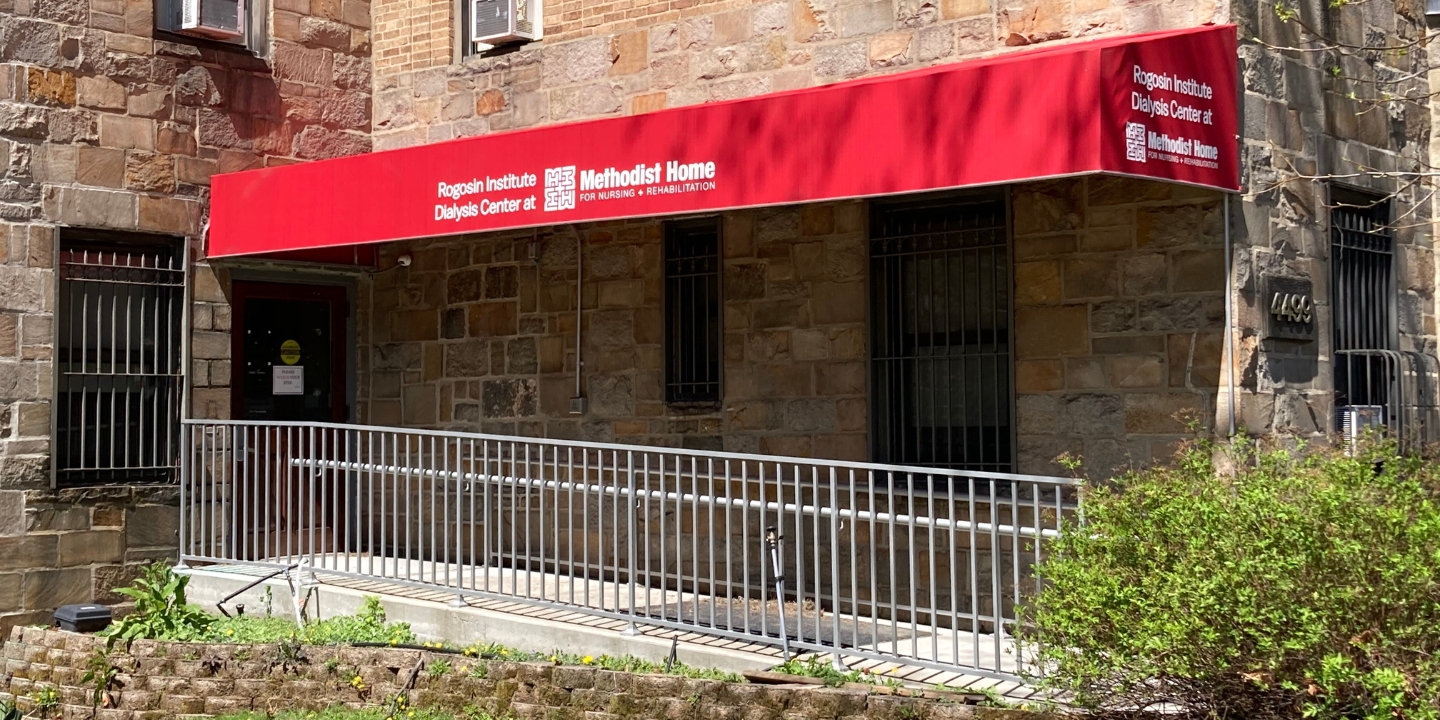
215	19
496	22
1356	420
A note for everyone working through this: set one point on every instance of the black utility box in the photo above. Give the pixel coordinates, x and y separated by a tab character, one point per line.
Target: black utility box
82	618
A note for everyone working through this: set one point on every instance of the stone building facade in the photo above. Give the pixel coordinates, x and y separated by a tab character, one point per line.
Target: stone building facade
1119	318
110	128
1118	285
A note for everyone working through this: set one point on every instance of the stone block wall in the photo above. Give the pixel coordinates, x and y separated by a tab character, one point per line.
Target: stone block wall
107	125
1119	319
78	545
1304	132
602	59
475	335
159	679
1119	329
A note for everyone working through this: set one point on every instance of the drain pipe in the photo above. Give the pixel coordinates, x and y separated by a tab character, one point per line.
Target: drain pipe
577	403
1230	315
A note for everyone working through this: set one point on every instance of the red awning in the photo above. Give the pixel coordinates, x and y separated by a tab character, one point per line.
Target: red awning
1160	105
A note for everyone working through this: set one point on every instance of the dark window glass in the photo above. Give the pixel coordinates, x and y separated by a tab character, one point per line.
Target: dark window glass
692	311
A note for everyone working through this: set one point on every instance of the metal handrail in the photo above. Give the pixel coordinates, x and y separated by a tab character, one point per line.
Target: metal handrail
921	521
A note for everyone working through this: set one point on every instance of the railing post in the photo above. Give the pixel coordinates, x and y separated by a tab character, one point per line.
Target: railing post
630	527
835	660
187	432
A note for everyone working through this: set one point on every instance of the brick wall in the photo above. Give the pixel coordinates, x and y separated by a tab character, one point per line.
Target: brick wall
105	126
618	58
474	335
412	34
160	679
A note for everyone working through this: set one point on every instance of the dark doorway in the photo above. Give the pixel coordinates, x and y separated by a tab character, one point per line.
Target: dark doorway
289	349
941	388
288	344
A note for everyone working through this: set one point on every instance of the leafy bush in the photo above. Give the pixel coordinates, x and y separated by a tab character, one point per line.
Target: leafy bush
161	611
1285	584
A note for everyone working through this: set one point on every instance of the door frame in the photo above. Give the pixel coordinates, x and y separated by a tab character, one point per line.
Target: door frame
341	338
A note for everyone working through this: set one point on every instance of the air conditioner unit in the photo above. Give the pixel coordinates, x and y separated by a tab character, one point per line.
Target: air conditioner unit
215	19
1356	420
496	22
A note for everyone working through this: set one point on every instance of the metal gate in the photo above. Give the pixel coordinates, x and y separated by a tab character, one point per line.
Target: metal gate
940	314
118	363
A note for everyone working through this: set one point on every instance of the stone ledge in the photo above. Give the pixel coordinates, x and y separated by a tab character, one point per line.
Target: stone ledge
194	680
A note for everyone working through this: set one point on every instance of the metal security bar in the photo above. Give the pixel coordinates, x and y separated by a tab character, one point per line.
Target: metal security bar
940	334
118	363
1377	385
914	565
692	311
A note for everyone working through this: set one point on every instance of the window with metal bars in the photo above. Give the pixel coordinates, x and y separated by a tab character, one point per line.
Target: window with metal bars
118	366
692	311
1363	303
941	387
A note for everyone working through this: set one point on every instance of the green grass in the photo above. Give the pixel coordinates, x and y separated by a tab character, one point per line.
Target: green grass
367	625
819	666
342	713
626	663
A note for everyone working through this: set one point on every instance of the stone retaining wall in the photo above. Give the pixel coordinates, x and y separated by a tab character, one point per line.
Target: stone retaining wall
161	680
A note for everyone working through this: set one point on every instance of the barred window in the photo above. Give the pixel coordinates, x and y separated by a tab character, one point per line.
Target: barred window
940	333
118	368
692	311
1363	297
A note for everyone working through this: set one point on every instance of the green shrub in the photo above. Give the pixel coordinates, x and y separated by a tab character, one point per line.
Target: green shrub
1288	585
161	611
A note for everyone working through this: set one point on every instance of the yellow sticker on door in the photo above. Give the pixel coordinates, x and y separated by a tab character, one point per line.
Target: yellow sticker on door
290	352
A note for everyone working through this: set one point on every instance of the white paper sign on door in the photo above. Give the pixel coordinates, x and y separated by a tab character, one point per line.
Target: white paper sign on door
288	380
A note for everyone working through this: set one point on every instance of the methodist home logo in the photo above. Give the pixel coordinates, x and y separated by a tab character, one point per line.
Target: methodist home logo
561	191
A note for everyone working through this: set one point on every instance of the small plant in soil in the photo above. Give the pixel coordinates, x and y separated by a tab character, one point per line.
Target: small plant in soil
819	666
46	699
100	676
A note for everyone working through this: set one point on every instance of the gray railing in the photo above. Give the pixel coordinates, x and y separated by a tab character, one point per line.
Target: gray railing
919	566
